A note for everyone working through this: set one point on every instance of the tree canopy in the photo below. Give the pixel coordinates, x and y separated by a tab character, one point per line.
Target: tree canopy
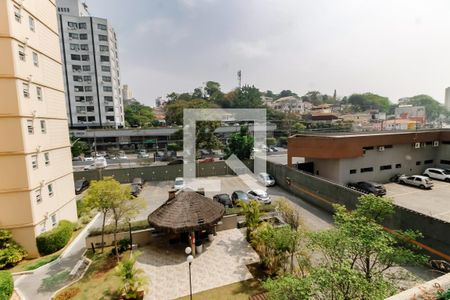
433	108
241	144
138	115
366	101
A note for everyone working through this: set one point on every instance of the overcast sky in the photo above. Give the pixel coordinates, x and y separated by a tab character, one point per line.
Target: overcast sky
392	48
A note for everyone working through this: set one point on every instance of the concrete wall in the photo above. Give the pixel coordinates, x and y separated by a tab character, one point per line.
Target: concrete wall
324	193
444	154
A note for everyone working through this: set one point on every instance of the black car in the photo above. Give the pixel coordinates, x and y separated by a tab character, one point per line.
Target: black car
138	181
368	187
223	199
239	195
135	189
81	185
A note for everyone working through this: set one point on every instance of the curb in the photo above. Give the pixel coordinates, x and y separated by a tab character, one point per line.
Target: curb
19	293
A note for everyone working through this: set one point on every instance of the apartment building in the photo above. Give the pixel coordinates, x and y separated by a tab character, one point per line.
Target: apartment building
91	68
375	156
36	180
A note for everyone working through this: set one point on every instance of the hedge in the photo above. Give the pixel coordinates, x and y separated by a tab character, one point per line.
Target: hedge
239	211
135	225
55	239
6	285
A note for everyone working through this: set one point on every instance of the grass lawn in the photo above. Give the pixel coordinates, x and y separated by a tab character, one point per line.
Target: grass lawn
236	291
99	282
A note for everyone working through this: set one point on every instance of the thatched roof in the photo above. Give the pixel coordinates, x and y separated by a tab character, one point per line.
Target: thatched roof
188	211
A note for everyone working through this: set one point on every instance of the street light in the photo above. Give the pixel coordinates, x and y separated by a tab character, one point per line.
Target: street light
189	259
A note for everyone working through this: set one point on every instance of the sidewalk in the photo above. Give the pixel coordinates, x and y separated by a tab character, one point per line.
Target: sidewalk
44	281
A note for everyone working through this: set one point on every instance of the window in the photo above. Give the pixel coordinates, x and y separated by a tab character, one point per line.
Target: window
102	27
81	119
79	98
82	25
73	36
47	158
17	14
42	226
79	88
106	78
445	162
385	167
102	37
39	93
428	162
72	25
75	47
26	90
43	127
88	88
86	68
353	171
30	126
106	68
53	218
76	68
84	47
78	78
364	170
75	57
90	108
107	89
38	196
368	148
91	119
85	57
31	23
87	78
110	118
104	48
104	58
21	53
109	108
81	109
418	163
108	98
89	98
35	59
34	162
83	36
398	166
50	190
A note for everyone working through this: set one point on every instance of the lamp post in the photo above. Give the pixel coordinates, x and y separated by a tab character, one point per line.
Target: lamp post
189	259
131	236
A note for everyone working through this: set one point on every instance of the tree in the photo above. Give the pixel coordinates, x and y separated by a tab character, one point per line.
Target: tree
247	97
299	127
288	287
433	108
212	91
197	94
366	101
133	279
252	215
137	114
240	144
78	147
205	136
174	109
270	141
286	93
11	253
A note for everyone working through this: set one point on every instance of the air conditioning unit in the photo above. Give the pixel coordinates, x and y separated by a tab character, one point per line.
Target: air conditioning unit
417	145
435	143
381	148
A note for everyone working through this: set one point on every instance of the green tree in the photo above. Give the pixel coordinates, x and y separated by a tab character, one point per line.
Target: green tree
433	108
286	93
78	147
11	253
133	279
252	213
240	144
270	141
205	136
174	109
366	101
288	287
213	92
247	97
197	94
137	114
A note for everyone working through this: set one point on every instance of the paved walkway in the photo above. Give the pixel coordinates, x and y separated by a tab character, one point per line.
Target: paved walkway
49	278
223	262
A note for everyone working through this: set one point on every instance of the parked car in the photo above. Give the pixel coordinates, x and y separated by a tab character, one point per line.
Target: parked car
88	158
260	196
81	185
368	187
239	195
179	183
135	189
175	162
416	180
90	167
100	162
266	179
138	181
436	173
143	154
396	177
122	156
274	149
223	199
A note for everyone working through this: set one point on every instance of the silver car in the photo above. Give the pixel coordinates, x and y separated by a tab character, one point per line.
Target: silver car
416	180
260	196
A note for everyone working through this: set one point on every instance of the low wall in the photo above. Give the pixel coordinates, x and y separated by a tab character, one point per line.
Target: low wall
324	193
140	237
158	173
428	290
227	222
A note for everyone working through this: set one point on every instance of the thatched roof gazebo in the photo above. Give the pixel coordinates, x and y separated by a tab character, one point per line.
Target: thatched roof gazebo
187	211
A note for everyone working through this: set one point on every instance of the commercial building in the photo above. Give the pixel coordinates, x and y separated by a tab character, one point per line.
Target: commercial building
91	68
377	156
36	180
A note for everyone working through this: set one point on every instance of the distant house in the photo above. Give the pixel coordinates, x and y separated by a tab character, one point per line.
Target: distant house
400	124
323	108
291	104
322	117
409	112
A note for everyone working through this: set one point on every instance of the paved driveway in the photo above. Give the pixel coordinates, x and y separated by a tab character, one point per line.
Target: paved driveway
223	262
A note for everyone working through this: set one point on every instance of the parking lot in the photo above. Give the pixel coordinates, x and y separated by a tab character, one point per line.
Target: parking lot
434	202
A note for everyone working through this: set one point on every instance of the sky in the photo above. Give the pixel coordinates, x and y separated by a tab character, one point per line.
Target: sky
395	48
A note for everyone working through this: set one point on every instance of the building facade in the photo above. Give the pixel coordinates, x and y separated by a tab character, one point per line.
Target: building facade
36	180
447	98
345	158
91	68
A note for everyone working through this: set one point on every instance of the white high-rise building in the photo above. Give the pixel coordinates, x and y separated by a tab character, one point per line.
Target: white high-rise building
447	98
36	180
127	94
91	67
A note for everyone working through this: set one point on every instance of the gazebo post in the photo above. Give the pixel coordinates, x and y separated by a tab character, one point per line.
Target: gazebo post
192	241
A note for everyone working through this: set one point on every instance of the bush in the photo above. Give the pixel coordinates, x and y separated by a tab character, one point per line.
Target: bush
68	293
55	239
10	252
6	285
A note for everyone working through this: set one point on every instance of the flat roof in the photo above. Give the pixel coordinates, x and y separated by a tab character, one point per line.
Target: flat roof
369	133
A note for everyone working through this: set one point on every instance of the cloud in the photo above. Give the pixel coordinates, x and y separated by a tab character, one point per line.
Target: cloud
249	49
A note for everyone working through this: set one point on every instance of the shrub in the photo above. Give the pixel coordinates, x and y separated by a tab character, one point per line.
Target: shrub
55	239
68	293
6	285
10	252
